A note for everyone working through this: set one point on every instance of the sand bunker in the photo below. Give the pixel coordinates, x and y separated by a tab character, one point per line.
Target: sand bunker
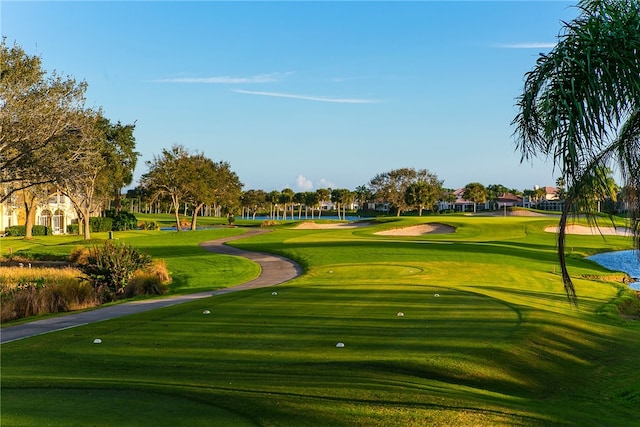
592	231
418	230
337	225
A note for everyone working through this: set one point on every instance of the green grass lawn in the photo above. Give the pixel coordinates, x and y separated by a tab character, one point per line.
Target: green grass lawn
487	336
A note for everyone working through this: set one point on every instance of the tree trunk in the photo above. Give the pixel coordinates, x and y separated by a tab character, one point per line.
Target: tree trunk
194	216
30	200
562	232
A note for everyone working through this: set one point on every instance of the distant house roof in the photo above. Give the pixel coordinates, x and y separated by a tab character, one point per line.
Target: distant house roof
509	198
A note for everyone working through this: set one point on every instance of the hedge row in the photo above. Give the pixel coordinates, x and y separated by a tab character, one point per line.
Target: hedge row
112	222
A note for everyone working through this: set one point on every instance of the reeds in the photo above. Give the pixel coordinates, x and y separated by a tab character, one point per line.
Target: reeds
28	292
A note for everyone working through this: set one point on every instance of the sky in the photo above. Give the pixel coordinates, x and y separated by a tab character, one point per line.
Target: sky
307	95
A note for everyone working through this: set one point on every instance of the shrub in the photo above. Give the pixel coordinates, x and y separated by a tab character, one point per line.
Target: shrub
144	283
109	268
20	230
159	269
98	224
79	255
149	225
268	223
122	220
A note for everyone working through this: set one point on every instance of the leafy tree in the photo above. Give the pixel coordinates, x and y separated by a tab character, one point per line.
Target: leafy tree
391	187
167	176
298	199
253	200
311	200
495	191
600	187
341	197
227	189
273	197
286	198
581	106
324	195
37	113
475	192
119	153
83	180
204	179
362	195
424	194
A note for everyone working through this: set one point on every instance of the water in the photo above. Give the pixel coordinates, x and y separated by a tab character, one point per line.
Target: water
308	217
626	261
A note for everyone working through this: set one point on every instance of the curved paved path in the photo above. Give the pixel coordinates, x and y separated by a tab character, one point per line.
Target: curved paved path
275	270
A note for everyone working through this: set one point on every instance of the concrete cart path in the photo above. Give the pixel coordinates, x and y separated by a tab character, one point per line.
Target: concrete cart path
275	270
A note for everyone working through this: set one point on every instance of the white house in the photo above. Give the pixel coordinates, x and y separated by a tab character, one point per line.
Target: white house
55	213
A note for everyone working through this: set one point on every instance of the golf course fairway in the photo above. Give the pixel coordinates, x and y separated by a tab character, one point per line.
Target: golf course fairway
466	328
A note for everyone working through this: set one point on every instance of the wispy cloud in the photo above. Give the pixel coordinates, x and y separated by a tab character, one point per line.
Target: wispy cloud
259	78
310	98
527	45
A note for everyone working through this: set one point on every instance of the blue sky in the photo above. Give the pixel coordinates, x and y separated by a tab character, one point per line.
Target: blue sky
307	95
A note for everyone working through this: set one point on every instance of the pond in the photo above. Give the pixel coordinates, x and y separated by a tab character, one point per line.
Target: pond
626	261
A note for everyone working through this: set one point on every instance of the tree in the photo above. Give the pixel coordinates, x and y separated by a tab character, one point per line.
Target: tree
390	187
227	189
167	176
120	155
362	195
286	198
273	197
298	199
311	200
36	113
83	179
495	191
324	194
581	106
253	200
475	192
341	197
424	194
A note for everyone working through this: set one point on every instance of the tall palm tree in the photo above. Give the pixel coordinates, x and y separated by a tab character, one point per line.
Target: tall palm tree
581	106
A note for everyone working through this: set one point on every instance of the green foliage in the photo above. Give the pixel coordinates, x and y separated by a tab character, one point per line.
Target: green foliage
100	223
109	268
73	229
122	221
149	225
20	230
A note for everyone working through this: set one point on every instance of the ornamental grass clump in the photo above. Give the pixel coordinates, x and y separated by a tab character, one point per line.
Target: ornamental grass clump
153	280
109	268
28	292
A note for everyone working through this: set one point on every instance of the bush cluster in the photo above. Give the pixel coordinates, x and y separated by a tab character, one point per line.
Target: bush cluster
99	224
109	268
111	271
149	225
20	230
122	221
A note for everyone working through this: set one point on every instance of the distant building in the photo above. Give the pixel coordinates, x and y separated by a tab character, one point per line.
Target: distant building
55	213
508	200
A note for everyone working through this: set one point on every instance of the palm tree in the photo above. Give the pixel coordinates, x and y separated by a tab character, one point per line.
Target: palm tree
581	106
